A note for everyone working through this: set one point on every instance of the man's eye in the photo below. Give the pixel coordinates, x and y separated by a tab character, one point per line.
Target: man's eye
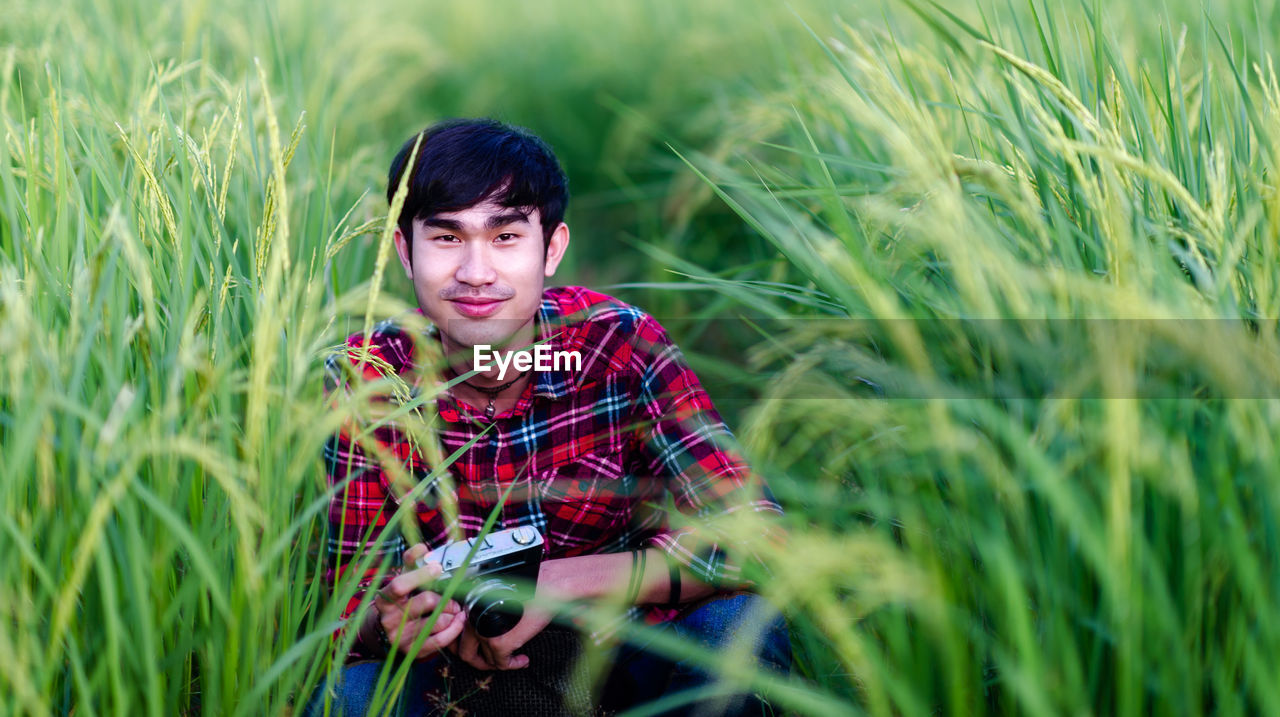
508	237
447	238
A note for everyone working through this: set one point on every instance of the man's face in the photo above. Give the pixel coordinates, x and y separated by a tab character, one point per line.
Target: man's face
478	273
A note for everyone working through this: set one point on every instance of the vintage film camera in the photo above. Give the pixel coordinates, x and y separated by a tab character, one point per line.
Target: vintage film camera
506	561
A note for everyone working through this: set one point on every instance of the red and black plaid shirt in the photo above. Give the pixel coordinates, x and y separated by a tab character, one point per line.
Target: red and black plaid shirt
596	455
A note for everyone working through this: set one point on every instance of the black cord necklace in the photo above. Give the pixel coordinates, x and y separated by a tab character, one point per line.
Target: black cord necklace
493	391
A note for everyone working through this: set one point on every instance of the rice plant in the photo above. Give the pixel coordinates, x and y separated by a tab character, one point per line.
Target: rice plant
1022	339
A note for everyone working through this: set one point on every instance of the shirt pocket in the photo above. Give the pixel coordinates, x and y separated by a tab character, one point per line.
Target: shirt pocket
585	501
581	480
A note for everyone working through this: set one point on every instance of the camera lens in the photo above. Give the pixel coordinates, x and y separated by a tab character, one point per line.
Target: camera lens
493	607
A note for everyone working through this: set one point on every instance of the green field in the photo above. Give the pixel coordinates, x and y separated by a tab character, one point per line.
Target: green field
989	291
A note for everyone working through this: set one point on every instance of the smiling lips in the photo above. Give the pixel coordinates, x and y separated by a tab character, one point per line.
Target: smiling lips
476	307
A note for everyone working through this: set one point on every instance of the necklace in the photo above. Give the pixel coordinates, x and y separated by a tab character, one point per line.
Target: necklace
493	391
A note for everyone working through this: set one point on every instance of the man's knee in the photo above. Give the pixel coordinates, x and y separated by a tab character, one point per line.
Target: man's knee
353	692
742	627
350	695
743	621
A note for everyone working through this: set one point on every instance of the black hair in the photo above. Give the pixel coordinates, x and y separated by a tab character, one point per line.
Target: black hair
463	162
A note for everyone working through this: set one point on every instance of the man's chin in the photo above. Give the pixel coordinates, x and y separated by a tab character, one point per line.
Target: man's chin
465	339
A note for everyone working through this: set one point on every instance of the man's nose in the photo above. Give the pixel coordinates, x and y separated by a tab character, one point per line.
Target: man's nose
477	267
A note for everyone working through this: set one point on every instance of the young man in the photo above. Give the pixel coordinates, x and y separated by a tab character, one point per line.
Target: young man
591	443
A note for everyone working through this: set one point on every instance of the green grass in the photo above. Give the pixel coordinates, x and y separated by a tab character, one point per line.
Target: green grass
1061	255
1005	276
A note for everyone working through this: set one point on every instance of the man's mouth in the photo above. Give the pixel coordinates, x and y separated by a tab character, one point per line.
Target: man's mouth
476	307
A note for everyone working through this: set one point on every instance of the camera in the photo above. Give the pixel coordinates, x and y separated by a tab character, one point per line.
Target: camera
504	561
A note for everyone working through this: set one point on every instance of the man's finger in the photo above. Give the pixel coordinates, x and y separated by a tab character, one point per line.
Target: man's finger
485	651
445	621
434	642
399	589
411	556
448	619
501	660
389	613
468	650
401	636
442	639
404	584
422	604
466	646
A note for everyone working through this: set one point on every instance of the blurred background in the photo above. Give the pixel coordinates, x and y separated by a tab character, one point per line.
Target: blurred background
988	292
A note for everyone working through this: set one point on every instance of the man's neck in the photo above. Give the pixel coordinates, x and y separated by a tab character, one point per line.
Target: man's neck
491	398
478	390
499	368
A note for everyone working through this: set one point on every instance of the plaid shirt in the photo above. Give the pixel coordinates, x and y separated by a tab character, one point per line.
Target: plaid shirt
592	458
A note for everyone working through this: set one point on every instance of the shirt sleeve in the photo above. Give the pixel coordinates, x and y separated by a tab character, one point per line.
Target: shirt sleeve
359	527
686	446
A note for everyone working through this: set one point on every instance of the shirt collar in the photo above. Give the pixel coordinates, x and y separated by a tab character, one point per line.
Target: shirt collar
553	384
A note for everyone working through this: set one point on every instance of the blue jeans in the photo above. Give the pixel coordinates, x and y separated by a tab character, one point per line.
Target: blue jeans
745	620
638	675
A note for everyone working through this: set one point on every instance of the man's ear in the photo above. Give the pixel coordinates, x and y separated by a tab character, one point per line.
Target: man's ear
555	249
403	249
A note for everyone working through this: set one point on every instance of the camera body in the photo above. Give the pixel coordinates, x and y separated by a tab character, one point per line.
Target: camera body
493	598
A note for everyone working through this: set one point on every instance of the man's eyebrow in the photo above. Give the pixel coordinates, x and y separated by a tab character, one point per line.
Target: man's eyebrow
452	225
514	216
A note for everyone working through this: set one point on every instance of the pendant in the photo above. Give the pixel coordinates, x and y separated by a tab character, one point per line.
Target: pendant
488	410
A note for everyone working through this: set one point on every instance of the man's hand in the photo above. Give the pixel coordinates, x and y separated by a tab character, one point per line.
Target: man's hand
397	603
497	653
583	577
